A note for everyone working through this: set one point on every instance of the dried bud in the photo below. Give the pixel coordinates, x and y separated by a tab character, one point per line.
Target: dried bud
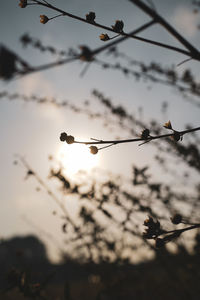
148	221
86	54
176	136
153	229
159	243
91	17
145	134
93	149
69	139
168	125
176	219
63	136
23	3
104	37
118	27
43	19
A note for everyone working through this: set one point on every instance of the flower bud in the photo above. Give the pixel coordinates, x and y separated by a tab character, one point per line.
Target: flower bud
23	3
168	125
148	221
63	136
69	139
93	149
86	53
176	219
145	134
176	136
104	37
90	17
44	19
118	27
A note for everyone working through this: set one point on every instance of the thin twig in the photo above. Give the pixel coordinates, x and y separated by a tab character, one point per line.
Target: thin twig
94	52
48	66
144	7
184	61
150	138
192	54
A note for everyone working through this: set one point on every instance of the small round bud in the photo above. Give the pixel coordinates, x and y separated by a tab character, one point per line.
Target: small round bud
168	125
176	136
176	219
44	19
23	3
63	136
69	139
90	17
104	37
118	27
148	221
93	149
86	53
145	134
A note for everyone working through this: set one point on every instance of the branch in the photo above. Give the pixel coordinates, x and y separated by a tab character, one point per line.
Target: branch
154	230
48	66
152	13
90	53
194	54
185	83
130	34
65	13
145	137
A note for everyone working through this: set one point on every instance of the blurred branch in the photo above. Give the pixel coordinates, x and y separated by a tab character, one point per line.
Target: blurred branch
154	230
153	72
85	55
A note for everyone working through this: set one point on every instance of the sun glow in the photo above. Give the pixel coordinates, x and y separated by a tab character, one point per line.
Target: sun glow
76	157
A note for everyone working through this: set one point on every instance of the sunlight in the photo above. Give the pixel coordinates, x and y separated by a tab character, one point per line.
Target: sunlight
76	157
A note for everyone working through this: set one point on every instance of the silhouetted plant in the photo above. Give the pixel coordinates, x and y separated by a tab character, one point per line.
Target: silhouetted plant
89	238
112	201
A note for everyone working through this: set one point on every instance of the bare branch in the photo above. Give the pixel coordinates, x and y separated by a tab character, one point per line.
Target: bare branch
167	26
145	138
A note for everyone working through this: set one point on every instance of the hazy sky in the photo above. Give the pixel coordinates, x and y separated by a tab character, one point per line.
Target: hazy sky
33	130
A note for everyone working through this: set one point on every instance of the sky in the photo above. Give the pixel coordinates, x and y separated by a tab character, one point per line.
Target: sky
33	130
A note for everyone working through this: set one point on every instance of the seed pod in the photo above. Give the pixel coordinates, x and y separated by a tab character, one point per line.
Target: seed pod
118	27
44	19
93	149
145	134
23	3
148	221
63	136
90	17
69	139
176	136
176	219
104	37
86	53
168	125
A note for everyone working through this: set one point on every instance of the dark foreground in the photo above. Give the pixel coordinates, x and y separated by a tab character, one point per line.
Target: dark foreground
26	273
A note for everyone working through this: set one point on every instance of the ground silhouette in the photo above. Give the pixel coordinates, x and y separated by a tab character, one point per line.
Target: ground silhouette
168	276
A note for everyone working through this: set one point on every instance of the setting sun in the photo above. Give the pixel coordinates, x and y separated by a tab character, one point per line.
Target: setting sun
76	157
